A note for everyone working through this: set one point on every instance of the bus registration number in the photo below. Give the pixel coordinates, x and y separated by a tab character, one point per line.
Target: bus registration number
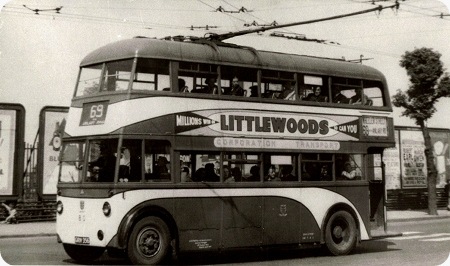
82	240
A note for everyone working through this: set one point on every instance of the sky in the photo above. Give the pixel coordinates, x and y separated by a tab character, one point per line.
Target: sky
40	53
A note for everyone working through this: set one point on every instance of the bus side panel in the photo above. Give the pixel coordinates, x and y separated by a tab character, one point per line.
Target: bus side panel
242	222
281	221
198	221
359	197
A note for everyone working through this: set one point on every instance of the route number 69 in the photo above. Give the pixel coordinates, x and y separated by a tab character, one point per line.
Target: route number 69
96	111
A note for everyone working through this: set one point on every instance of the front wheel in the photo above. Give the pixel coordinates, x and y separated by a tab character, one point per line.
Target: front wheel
83	254
149	241
340	233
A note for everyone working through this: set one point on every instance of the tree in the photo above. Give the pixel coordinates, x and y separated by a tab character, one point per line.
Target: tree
428	83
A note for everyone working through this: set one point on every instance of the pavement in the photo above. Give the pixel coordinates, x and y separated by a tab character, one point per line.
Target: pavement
33	229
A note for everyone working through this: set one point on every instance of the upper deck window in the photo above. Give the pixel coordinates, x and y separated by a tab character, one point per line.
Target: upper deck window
278	85
106	77
357	92
151	75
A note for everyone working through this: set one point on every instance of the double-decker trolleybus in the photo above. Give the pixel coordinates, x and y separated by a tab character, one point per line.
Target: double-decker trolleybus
180	146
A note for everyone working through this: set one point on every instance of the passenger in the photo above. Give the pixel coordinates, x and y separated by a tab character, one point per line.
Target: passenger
104	167
199	175
235	89
185	174
161	170
272	174
254	175
286	173
124	165
348	173
325	174
236	173
227	176
210	173
360	98
339	97
315	96
182	86
288	91
212	87
254	91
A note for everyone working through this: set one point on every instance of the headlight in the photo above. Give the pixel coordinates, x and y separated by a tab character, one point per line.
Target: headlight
59	207
106	209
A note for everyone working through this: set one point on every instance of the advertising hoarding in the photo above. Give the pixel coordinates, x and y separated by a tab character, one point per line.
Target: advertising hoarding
51	129
12	125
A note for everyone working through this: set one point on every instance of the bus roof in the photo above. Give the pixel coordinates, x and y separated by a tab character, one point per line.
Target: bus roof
211	53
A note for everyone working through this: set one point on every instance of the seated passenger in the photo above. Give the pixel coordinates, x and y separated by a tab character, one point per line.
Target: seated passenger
286	173
103	168
199	175
287	92
254	91
227	176
236	89
210	174
254	175
315	96
272	174
185	176
210	87
360	98
182	86
348	173
161	170
340	98
325	174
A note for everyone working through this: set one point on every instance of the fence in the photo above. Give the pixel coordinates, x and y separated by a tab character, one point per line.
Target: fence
31	208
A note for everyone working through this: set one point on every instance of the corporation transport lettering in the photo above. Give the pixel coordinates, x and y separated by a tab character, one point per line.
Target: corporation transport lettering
273	124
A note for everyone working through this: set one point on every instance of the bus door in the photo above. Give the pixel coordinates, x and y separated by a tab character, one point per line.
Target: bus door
376	177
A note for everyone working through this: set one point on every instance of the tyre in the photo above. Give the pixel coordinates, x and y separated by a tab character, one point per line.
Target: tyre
149	242
83	254
340	233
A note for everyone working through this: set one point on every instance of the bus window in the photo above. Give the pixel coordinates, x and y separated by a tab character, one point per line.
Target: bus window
151	75
71	161
205	166
349	166
236	81
130	163
316	167
117	76
89	80
278	85
197	75
157	160
373	90
280	168
102	160
242	167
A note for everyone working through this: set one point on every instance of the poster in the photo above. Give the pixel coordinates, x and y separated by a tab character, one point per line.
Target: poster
391	159
413	160
7	143
53	128
441	154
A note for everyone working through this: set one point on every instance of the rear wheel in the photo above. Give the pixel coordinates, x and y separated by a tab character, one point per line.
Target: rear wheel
149	241
83	254
341	233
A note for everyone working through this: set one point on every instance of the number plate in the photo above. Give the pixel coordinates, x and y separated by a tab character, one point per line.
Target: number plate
82	240
94	113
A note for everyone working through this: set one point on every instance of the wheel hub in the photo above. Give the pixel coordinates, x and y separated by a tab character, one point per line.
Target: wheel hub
148	243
